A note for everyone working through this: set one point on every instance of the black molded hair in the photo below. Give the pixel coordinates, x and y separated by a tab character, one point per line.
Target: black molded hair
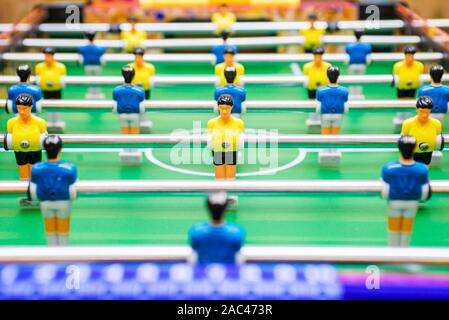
24	99
436	73
53	145
424	102
139	51
410	50
24	72
318	50
333	73
217	202
312	16
406	146
229	50
358	34
90	35
230	73
225	99
128	73
49	50
225	34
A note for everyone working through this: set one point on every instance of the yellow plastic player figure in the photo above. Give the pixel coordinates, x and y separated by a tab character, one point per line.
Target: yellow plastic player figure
143	71
425	129
407	75
133	38
51	75
312	35
228	57
225	138
224	18
25	133
316	73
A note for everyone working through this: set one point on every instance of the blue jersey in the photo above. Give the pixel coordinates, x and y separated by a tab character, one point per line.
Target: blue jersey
405	181
128	98
216	244
358	52
218	51
53	180
91	54
31	89
332	99
439	95
237	93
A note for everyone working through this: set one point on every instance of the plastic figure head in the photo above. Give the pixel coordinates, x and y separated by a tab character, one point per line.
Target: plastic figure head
24	103
312	18
90	35
230	73
132	20
424	106
53	145
406	146
138	55
333	73
409	53
225	103
24	72
49	55
223	9
228	55
128	74
436	74
217	202
358	34
318	55
225	34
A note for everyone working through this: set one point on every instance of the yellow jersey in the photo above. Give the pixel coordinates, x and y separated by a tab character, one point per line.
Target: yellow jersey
26	135
50	76
223	22
312	37
225	135
425	134
219	71
408	75
133	39
317	74
143	75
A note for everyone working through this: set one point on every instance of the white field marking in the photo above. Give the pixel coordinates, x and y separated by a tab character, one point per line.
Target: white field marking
296	70
300	157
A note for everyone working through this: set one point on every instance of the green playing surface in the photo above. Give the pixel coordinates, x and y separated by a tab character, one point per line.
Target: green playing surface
268	219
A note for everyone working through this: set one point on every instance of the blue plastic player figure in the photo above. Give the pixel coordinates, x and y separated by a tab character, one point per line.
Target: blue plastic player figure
332	103
91	56
128	102
438	92
405	184
216	241
24	86
238	93
359	56
53	184
219	50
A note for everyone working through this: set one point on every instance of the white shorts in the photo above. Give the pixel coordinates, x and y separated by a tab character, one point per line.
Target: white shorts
331	120
357	69
129	120
56	209
402	208
92	70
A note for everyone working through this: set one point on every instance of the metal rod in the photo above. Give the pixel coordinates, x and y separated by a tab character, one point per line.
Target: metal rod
208	42
335	254
212	80
251	140
269	186
106	105
210	58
